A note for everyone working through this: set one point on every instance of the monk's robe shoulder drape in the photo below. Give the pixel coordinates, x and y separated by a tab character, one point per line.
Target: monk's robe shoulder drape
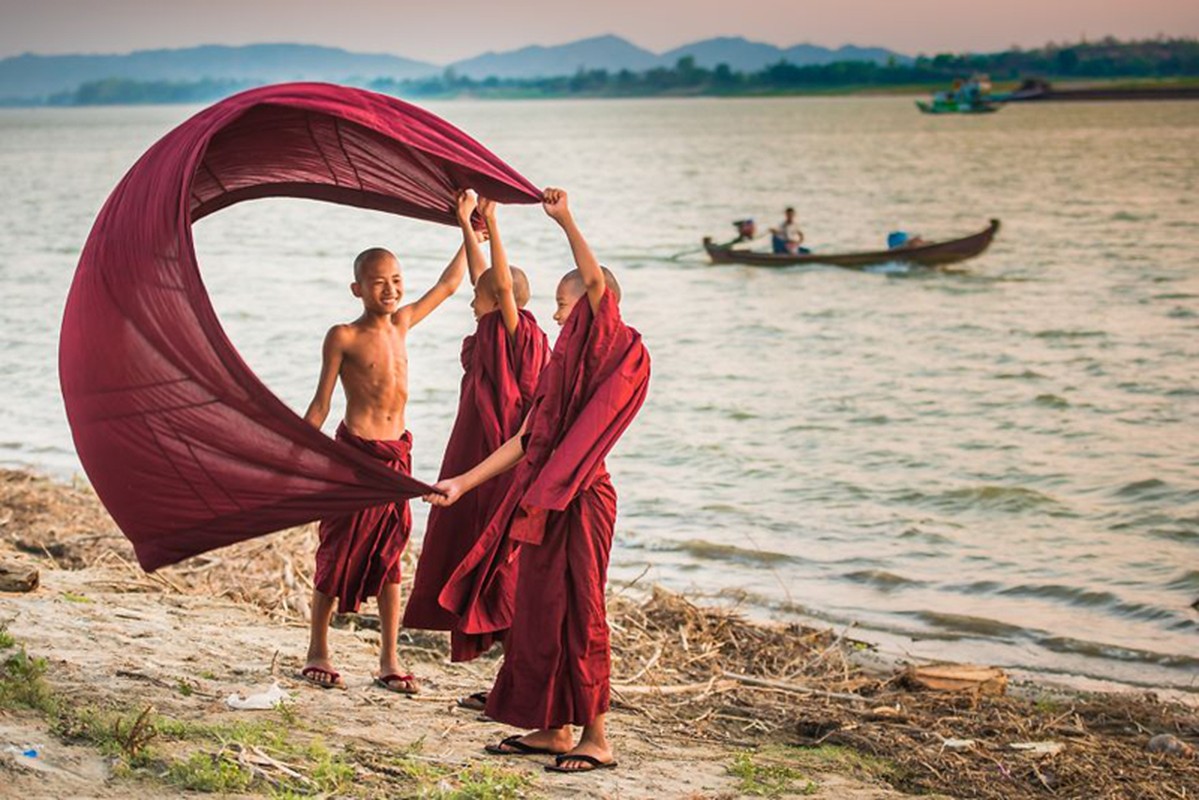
500	372
185	446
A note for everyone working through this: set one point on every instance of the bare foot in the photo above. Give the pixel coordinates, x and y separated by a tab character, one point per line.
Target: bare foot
600	752
392	677
552	740
320	672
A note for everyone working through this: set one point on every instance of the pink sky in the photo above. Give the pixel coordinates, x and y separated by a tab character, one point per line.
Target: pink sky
441	32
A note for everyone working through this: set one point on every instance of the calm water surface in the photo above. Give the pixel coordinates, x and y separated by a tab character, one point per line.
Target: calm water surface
999	465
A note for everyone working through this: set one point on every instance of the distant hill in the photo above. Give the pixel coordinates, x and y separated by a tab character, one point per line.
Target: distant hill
743	55
601	52
34	76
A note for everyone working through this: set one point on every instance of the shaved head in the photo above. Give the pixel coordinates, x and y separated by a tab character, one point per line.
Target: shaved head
520	285
370	257
573	281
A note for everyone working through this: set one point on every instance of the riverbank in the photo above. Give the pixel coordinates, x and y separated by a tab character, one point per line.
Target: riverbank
124	92
131	695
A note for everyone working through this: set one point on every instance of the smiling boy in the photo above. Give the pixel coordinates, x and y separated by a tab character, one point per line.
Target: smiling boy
359	554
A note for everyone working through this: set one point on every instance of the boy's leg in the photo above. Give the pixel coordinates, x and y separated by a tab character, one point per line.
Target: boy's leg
590	649
389	630
318	668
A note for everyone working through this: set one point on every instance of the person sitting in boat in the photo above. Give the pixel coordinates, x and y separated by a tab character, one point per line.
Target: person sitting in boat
787	237
898	239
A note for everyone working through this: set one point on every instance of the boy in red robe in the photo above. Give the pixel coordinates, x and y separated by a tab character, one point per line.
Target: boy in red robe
359	554
560	509
501	361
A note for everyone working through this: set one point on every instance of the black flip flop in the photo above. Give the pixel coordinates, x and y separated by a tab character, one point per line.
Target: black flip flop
473	702
592	760
515	747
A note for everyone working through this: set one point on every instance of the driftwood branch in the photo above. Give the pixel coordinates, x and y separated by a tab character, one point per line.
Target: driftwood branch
750	680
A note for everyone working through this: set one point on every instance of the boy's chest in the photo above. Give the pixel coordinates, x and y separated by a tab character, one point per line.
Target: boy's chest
379	353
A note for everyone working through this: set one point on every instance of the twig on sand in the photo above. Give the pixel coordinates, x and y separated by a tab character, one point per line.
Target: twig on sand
792	687
681	688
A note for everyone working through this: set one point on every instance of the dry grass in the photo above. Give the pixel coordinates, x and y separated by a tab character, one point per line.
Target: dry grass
695	672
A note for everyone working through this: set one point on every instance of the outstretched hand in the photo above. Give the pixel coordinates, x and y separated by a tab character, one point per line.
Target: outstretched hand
445	493
466	205
554	202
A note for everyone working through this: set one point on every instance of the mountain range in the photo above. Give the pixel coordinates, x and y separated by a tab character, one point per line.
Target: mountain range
31	76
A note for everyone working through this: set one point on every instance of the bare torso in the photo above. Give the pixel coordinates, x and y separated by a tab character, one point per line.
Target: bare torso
374	377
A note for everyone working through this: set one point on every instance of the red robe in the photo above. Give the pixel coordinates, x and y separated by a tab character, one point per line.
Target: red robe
500	374
360	552
561	510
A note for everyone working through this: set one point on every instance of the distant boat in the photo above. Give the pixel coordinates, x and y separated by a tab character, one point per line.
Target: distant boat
939	106
966	97
929	254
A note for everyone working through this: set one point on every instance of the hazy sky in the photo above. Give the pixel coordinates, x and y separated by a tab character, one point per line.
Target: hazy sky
447	30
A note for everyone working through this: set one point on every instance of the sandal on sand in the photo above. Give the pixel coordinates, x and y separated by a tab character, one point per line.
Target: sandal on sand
333	681
593	762
473	702
406	683
513	746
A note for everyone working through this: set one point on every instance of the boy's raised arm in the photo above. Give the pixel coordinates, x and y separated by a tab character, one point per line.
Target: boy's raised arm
501	273
555	204
475	265
331	357
446	285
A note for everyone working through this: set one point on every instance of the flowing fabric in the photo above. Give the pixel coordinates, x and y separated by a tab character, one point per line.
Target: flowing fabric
360	552
500	374
187	449
587	396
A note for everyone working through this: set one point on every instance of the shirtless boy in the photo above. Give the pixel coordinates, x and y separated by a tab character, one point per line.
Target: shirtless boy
359	554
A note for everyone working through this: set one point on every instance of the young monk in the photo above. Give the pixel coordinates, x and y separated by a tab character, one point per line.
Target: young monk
561	508
359	554
501	361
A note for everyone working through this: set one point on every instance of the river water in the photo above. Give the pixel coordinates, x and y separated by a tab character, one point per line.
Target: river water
997	465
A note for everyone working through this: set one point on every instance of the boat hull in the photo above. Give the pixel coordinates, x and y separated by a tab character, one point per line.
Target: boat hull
933	254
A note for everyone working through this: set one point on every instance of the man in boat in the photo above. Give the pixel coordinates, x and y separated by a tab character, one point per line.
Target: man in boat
901	239
787	237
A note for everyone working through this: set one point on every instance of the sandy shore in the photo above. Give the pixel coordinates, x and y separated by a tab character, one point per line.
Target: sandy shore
707	705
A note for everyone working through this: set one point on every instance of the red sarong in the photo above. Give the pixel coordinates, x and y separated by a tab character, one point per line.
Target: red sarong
562	507
360	552
500	374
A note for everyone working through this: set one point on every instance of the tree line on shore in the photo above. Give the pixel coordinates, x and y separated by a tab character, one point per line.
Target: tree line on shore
1106	59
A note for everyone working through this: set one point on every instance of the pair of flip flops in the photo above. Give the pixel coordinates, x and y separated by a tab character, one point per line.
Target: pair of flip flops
513	746
400	684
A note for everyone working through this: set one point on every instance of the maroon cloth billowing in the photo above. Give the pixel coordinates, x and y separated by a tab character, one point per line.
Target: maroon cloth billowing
360	552
187	449
562	506
500	374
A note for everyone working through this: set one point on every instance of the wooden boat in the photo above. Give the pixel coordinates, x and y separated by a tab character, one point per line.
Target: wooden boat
952	107
931	254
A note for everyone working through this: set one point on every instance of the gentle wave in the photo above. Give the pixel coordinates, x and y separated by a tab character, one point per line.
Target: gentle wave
881	579
1007	499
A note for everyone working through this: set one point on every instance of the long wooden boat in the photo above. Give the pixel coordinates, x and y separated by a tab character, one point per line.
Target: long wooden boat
953	107
932	254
